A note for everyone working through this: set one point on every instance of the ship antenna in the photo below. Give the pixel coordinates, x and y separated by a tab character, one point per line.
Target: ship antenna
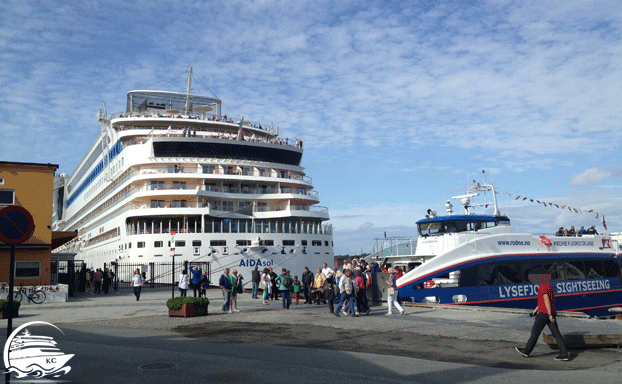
189	89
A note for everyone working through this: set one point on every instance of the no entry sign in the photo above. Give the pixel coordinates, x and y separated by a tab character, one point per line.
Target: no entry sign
16	225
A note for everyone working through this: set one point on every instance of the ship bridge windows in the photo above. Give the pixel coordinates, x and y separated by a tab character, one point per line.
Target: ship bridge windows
453	226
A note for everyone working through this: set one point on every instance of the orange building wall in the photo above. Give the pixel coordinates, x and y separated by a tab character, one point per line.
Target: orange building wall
33	185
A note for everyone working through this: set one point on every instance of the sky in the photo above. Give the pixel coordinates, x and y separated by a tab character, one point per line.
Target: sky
400	103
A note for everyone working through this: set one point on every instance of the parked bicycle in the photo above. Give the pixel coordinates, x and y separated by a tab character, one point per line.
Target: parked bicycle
35	295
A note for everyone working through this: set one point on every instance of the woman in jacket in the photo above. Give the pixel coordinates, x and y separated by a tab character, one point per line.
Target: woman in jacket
392	299
346	287
361	292
183	282
266	284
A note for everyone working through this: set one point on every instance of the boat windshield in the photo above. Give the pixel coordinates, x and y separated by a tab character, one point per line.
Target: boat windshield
453	226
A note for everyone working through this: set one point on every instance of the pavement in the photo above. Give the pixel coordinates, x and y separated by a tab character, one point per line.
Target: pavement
116	338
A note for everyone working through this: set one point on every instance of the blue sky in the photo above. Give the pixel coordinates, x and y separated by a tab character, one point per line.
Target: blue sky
399	103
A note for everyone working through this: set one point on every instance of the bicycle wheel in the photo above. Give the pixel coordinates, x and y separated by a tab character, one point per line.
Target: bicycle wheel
17	296
38	297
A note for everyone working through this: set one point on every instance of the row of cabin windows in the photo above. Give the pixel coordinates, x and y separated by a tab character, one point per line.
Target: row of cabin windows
439	227
223	243
508	272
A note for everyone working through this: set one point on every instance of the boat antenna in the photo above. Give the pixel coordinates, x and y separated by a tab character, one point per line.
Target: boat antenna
188	91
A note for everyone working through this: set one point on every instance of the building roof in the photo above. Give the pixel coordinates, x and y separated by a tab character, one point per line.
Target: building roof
33	164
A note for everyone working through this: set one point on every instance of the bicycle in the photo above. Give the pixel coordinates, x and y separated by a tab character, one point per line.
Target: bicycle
37	296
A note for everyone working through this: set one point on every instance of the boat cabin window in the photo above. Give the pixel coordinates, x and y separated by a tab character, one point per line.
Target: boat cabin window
453	226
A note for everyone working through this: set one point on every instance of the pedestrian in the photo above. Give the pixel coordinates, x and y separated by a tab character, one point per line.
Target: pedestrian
137	283
204	284
225	285
307	283
255	280
545	314
98	276
266	285
183	282
361	292
106	283
330	297
392	293
273	290
296	286
196	280
284	284
236	287
320	279
346	287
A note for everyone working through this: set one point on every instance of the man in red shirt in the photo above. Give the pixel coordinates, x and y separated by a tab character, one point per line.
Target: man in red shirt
544	313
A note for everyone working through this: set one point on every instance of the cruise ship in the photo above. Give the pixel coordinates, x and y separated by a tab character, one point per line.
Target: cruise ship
173	176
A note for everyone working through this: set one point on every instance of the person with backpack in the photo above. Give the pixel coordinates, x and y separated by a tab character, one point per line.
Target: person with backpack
361	292
284	284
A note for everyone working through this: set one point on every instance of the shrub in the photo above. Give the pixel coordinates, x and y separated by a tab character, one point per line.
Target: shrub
4	304
177	302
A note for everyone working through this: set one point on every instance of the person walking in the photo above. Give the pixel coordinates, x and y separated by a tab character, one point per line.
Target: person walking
225	285
266	284
183	282
361	292
274	291
307	283
545	314
284	284
137	283
98	277
346	287
204	284
296	287
236	287
255	280
392	293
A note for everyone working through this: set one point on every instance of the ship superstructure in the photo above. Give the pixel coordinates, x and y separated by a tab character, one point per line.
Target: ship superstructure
172	175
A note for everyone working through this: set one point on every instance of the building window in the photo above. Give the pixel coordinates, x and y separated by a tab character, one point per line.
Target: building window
27	269
7	197
179	185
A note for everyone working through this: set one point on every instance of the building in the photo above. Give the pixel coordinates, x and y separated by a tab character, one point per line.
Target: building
30	185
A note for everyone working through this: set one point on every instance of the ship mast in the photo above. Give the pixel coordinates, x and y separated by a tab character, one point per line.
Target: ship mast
188	89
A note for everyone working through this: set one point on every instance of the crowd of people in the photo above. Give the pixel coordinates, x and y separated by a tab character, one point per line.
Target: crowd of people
344	291
572	232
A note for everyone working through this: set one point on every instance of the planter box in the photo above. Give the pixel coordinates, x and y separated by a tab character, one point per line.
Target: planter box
5	314
188	310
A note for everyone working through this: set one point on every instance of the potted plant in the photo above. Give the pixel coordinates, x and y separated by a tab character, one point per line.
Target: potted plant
187	306
4	308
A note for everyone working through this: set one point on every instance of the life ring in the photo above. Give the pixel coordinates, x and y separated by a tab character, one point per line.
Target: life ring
545	240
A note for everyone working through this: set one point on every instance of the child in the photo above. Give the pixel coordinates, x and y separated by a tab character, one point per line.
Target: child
330	296
296	286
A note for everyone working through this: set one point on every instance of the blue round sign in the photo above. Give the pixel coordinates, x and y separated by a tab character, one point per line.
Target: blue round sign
16	225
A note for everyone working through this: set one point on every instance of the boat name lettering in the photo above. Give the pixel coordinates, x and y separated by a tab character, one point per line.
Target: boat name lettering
574	243
518	291
582	286
514	242
253	263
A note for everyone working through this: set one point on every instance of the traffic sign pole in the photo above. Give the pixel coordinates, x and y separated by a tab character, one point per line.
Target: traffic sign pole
9	327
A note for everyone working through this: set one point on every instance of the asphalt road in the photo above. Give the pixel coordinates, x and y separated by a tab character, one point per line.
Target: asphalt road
116	339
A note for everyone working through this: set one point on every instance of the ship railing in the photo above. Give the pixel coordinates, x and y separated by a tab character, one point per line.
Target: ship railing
156	226
195	116
183	186
197	168
394	246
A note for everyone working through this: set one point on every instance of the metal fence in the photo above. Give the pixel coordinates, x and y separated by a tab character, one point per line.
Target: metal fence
155	274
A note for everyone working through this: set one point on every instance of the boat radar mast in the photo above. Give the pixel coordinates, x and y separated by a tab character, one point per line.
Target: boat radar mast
188	91
473	191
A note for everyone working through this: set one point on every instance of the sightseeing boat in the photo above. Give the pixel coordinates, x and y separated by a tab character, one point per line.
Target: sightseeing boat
173	176
476	259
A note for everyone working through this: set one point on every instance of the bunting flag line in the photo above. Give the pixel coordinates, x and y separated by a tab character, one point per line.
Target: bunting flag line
559	206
